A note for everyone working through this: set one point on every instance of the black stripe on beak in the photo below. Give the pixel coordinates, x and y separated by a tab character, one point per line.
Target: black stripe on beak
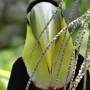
33	3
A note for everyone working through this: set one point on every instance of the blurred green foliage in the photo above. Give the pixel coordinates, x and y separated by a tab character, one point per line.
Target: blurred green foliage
12	35
2	86
9	55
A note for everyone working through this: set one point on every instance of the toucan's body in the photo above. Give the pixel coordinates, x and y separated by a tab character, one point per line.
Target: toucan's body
49	63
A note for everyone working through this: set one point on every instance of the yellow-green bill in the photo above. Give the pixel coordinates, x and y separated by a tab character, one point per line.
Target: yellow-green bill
57	60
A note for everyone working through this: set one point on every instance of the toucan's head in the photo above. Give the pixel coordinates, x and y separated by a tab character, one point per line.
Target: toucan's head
44	21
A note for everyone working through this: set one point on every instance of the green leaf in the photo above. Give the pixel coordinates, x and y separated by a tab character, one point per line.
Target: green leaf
4	74
2	86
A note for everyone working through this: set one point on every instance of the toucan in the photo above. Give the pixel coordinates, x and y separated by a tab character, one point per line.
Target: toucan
46	62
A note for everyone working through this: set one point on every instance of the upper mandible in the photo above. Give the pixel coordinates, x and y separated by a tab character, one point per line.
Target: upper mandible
34	2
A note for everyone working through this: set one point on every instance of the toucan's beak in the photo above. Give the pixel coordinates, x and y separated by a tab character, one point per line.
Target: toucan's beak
41	14
53	62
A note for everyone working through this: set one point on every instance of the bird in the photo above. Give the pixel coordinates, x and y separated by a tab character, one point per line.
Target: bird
49	56
52	62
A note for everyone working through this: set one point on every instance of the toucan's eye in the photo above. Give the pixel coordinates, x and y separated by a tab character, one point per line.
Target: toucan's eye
27	21
62	13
